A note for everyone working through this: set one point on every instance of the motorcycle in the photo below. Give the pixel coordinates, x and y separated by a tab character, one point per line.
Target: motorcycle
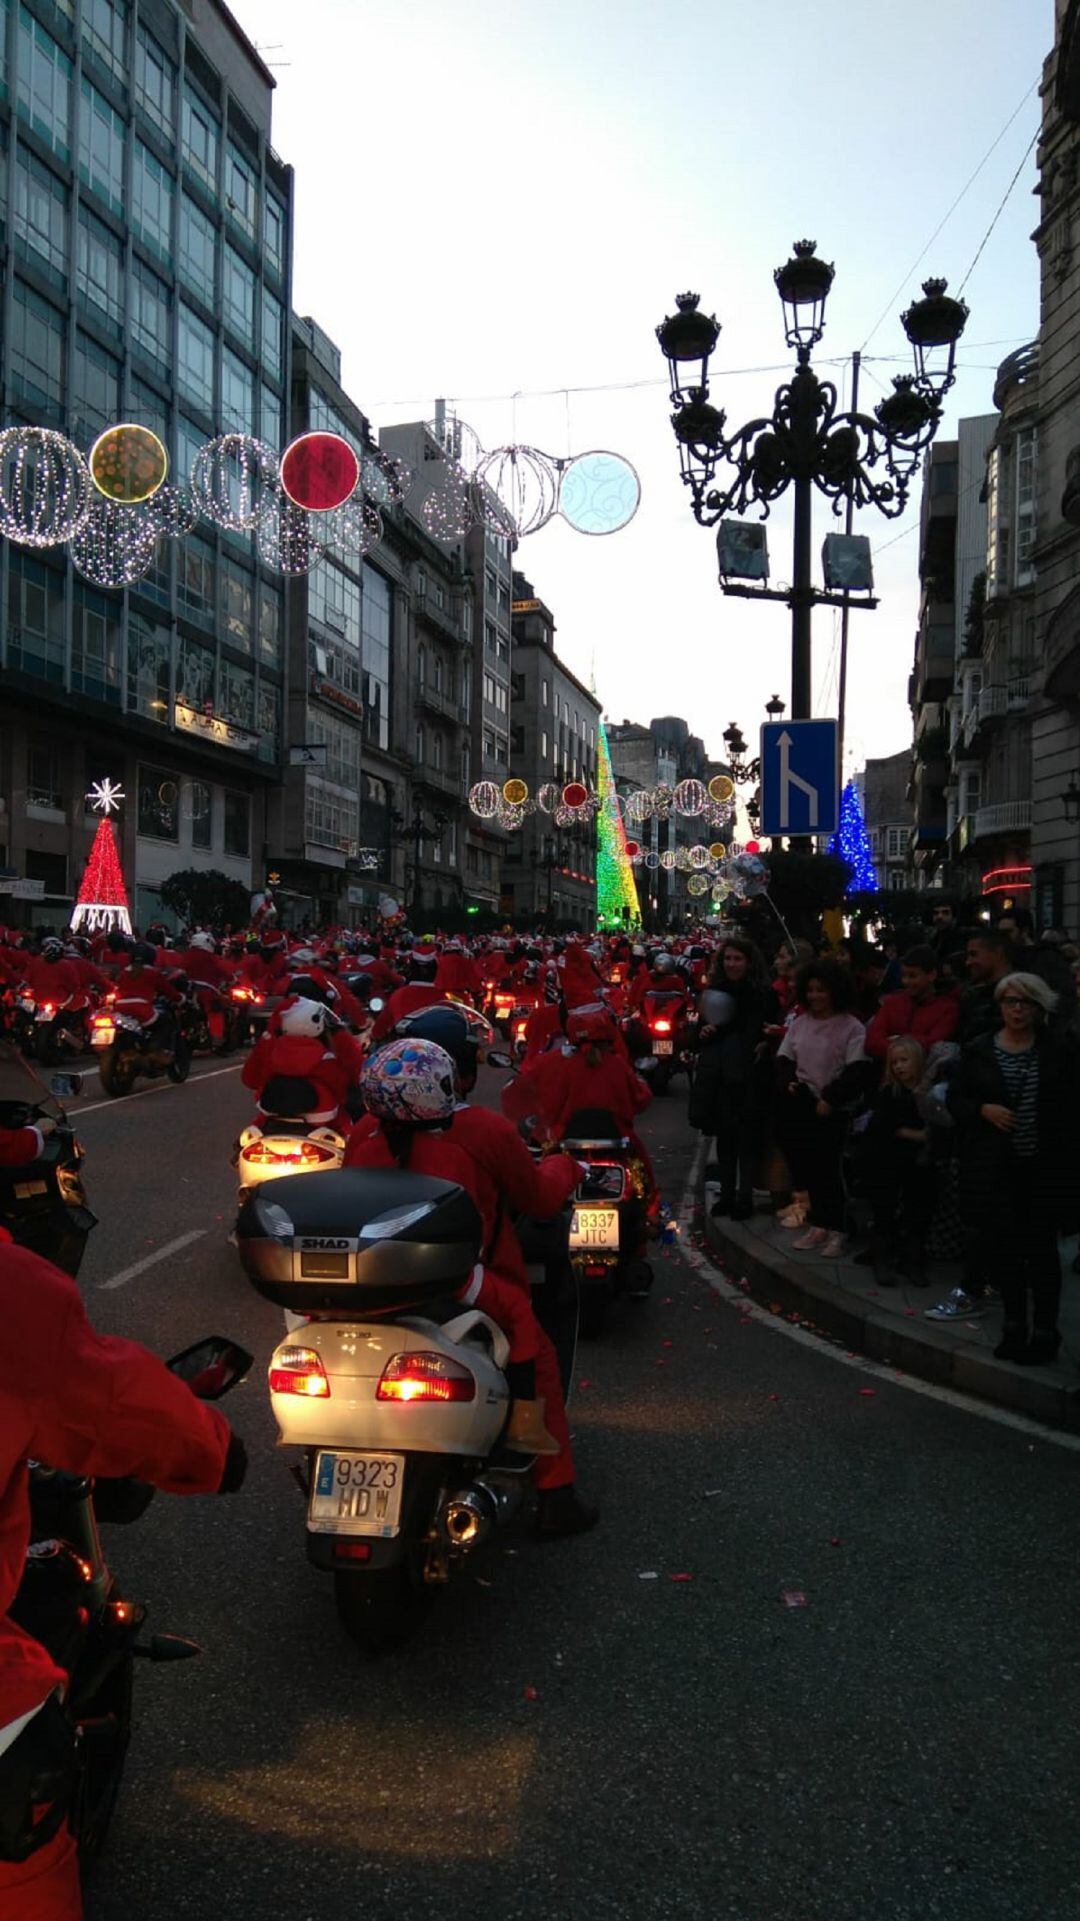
663	1033
70	1601
280	1145
128	1046
59	1030
394	1393
608	1222
43	1202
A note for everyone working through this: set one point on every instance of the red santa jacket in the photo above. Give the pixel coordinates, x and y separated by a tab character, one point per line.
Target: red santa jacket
20	1145
332	1066
89	1404
561	1084
925	1021
55	981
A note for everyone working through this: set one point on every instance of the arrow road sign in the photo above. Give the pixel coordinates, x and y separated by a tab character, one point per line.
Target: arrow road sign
800	777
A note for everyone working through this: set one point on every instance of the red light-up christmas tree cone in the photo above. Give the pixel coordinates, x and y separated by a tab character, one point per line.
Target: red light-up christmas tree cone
102	904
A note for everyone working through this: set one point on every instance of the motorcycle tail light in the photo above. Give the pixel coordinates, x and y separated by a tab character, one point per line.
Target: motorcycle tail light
299	1370
425	1377
661	1027
103	1032
47	1009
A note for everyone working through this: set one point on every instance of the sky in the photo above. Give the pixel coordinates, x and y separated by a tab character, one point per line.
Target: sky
497	203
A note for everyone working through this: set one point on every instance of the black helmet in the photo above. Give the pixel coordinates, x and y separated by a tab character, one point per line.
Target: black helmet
143	953
307	988
449	1028
118	943
52	949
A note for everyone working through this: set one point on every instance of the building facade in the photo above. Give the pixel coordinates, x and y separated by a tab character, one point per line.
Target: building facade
887	810
147	235
642	758
1055	712
549	872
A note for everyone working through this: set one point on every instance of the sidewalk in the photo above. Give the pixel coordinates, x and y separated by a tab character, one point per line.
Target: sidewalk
888	1323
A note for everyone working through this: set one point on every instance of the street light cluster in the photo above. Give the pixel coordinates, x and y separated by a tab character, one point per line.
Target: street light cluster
808	440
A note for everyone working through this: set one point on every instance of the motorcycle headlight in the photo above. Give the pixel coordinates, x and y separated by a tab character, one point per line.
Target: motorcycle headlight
70	1186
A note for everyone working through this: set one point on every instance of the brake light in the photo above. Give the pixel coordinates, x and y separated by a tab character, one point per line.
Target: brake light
103	1031
299	1370
304	1154
661	1027
425	1377
351	1551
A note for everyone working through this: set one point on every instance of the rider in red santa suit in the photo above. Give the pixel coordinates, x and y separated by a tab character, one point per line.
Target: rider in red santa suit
140	985
303	1043
87	1404
590	1073
50	976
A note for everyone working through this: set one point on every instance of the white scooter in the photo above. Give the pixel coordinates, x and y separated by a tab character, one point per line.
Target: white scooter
394	1390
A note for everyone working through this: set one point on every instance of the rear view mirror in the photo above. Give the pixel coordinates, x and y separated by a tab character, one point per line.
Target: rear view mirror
495	1057
211	1367
65	1085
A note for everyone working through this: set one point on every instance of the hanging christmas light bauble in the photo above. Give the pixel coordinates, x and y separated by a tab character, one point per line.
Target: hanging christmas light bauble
45	488
547	798
638	806
717	850
721	787
319	471
698	856
518	490
128	464
574	794
662	797
355	528
682	859
509	817
697	884
633	848
235	480
667	859
175	509
652	862
599	493
385	478
564	816
484	799
690	798
115	545
447	510
287	539
515	791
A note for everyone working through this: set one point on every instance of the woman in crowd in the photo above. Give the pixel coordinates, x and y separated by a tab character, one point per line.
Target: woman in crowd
897	1168
1014	1101
729	1097
822	1070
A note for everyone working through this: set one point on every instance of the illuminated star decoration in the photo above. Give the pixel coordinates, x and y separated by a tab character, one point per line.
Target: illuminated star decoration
105	796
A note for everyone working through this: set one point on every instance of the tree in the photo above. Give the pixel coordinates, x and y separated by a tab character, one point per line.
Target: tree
205	897
851	843
801	888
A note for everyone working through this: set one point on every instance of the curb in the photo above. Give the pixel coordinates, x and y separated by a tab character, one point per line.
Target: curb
920	1349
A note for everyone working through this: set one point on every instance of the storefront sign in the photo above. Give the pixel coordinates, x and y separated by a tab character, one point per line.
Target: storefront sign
337	696
366	860
308	754
23	889
221	733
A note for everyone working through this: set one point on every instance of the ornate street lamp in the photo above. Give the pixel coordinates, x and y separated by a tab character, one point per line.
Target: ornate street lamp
1070	800
855	459
414	830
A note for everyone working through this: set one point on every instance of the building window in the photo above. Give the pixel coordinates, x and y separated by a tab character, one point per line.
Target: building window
237	394
151	203
490	638
334	600
95	401
420	744
202	813
99	269
151	329
238	296
155	83
196	580
331	818
198	249
44	776
544	693
1025	506
195	675
44	95
238	605
36	351
200	140
376	609
342	742
189	439
195	360
272	332
95	645
101	148
35	617
268	720
270	421
149	652
269	626
240	190
41	219
437	752
544	748
274	227
896	841
104	25
159	804
421	666
236	702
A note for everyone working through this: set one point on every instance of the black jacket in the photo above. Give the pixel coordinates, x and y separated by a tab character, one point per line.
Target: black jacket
731	1086
987	1156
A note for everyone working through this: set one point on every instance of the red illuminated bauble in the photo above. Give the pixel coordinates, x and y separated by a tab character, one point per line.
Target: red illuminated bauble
633	847
319	471
574	794
752	847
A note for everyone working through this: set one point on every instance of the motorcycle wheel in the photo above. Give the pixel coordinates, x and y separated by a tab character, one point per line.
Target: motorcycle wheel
115	1079
105	1753
381	1611
179	1067
47	1045
592	1312
661	1080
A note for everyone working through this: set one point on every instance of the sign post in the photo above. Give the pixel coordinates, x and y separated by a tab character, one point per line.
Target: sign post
800	777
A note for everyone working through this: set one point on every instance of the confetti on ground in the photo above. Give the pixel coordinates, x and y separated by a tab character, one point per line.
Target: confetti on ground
834	1540
712	1492
584	1383
649	1575
680	1577
793	1597
667	1343
745	1321
910	1313
530	1694
867	1392
774	1397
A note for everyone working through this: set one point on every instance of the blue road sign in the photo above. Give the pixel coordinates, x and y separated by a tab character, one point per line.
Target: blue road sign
800	777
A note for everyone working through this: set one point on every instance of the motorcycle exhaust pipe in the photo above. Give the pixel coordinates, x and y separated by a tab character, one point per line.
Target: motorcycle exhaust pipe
467	1517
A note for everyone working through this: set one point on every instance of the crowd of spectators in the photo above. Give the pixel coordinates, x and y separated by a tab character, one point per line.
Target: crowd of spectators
918	1099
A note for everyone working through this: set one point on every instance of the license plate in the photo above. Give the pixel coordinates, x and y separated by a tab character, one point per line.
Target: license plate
103	1037
663	1047
25	1190
356	1494
595	1227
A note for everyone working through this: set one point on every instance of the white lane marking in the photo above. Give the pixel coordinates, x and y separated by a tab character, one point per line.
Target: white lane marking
150	1260
862	1364
195	1080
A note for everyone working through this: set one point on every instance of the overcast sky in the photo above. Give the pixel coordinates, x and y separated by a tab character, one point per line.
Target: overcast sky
500	200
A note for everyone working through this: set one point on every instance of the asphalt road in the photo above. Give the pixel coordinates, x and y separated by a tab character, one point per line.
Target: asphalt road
902	1746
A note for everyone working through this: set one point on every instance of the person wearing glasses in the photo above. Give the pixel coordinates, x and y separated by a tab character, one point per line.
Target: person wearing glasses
1014	1099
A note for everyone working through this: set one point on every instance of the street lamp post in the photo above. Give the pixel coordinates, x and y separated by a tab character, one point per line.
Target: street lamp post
807	441
547	856
414	830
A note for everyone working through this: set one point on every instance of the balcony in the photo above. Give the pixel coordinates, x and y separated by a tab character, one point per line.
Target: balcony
441	620
1008	817
447	706
934	663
